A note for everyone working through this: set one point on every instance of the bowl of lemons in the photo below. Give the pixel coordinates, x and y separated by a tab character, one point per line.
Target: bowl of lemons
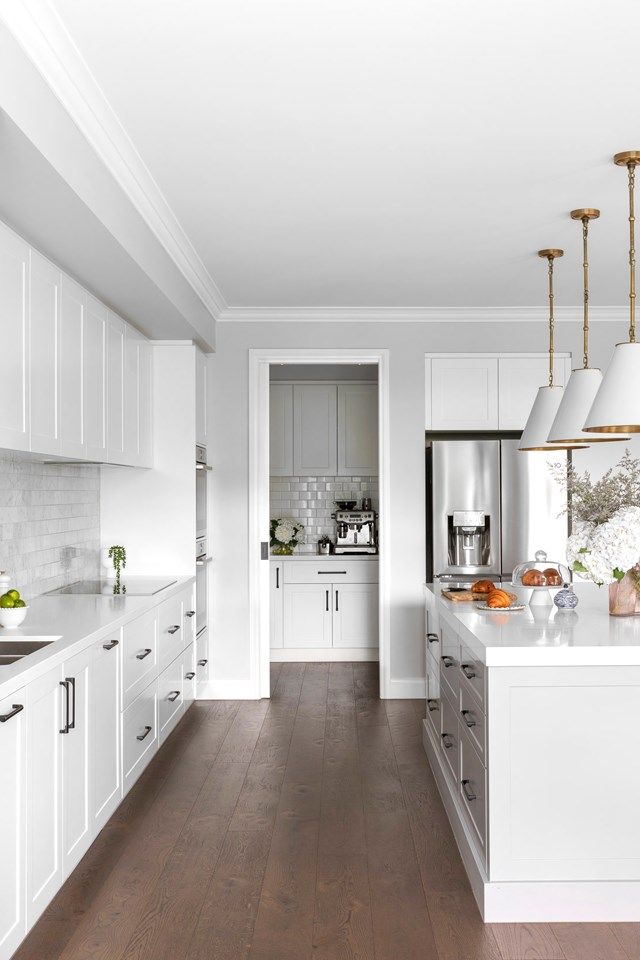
13	609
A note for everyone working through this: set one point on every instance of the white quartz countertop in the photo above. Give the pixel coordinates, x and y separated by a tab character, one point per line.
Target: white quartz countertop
71	621
331	557
544	636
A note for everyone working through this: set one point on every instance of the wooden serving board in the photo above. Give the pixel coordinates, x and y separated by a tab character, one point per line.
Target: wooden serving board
462	596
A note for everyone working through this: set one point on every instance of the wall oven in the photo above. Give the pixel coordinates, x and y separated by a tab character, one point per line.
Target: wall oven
202	576
202	471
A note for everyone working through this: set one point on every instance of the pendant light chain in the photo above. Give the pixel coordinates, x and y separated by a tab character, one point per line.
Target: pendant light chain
552	321
631	166
585	274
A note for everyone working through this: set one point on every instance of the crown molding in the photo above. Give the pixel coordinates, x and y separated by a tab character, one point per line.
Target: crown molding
416	314
41	33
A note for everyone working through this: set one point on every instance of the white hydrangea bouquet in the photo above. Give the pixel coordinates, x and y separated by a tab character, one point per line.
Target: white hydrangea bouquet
605	543
284	535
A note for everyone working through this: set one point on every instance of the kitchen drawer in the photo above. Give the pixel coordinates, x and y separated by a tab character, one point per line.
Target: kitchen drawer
330	571
170	698
170	631
472	719
139	734
433	697
202	661
450	659
449	736
473	788
139	655
472	672
189	675
434	646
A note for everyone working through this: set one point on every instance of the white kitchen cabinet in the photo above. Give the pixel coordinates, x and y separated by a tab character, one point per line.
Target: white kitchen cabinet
145	404
307	615
14	382
139	734
95	383
357	429
44	721
104	734
202	662
189	676
170	697
276	606
519	378
281	429
315	447
77	826
131	405
462	393
73	307
115	389
12	817
44	361
355	615
201	399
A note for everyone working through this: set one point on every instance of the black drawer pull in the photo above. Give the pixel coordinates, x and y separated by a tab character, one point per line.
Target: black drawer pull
147	731
67	722
468	792
145	653
202	663
469	672
15	708
433	638
433	705
330	573
447	661
467	716
174	628
447	740
173	695
110	645
190	675
190	613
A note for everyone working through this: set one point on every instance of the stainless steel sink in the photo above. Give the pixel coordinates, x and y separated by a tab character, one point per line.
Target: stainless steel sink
12	650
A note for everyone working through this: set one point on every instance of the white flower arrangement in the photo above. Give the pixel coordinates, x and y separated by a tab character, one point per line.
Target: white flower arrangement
605	552
284	534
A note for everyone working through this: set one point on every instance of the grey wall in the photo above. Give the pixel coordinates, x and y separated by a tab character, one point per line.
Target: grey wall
407	344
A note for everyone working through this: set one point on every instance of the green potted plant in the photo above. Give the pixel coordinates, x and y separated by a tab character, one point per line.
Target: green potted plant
118	556
284	536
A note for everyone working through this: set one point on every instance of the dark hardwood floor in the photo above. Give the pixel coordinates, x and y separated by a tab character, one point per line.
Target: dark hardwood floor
306	826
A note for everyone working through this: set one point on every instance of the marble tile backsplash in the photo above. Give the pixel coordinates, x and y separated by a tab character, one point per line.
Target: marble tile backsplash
312	501
49	522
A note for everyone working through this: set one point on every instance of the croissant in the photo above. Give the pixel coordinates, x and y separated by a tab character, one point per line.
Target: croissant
482	586
533	578
499	598
552	577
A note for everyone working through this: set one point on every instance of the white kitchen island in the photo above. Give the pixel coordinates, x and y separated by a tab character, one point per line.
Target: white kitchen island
532	731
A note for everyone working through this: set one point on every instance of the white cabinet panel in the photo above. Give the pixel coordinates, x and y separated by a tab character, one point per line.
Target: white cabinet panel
12	818
106	782
519	381
139	655
355	615
115	389
281	429
44	305
44	721
357	429
170	699
315	448
464	393
202	662
139	734
95	413
201	399
307	615
276	638
189	675
14	292
71	373
77	823
130	415
145	404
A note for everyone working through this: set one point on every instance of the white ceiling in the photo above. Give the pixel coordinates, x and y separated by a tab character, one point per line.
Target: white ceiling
384	153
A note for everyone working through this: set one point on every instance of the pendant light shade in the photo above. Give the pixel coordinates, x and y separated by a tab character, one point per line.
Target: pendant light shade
547	402
616	407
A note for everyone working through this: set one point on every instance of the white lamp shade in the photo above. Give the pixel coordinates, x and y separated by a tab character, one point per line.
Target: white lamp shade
616	408
579	394
543	413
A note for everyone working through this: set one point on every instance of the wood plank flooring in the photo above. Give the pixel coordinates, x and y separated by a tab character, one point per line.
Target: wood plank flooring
304	826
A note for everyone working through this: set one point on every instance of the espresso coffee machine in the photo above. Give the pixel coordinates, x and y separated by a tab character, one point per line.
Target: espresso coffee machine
355	531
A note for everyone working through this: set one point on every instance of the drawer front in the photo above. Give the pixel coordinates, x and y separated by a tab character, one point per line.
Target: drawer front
432	633
472	719
332	571
473	673
202	661
473	787
450	659
170	631
449	736
189	675
139	655
433	697
170	697
139	734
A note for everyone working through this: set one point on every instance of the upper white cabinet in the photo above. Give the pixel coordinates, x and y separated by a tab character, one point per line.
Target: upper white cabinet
14	383
201	399
44	345
281	429
315	449
357	429
115	389
95	380
519	381
129	359
71	337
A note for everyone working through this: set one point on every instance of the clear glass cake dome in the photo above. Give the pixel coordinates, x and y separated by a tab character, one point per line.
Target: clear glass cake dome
540	576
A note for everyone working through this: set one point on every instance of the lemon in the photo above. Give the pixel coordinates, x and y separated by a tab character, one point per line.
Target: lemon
13	593
7	601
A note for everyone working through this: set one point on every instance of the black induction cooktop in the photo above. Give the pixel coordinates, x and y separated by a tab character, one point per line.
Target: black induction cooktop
132	587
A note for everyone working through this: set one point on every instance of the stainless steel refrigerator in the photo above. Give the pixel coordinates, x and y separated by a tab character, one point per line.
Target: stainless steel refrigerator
489	507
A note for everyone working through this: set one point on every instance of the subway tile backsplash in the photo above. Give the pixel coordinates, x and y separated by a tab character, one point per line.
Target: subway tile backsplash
312	501
49	522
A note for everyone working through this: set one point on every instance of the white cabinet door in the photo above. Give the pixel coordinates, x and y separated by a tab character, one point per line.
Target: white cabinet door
463	393
201	399
14	382
71	368
12	817
189	676
281	429
95	413
106	781
76	780
307	615
315	446
44	346
44	721
276	638
202	662
115	389
355	615
145	403
131	411
519	381
357	429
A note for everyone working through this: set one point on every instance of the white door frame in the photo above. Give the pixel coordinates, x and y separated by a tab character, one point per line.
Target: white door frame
259	361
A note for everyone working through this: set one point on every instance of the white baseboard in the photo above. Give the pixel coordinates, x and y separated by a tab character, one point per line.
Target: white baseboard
406	688
323	654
